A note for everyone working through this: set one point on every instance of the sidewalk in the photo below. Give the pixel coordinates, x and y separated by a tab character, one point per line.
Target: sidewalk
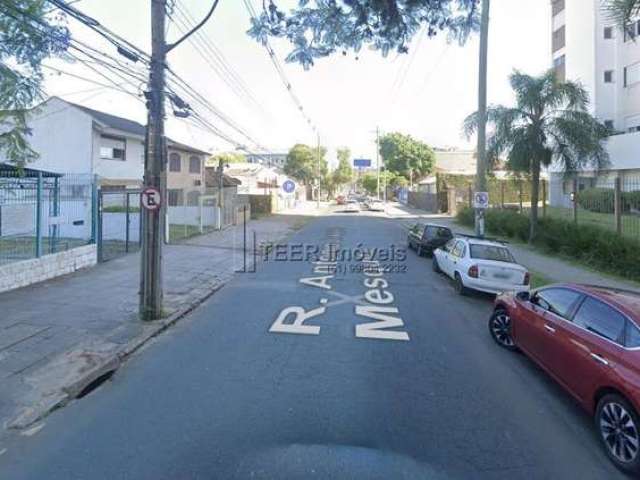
554	268
58	336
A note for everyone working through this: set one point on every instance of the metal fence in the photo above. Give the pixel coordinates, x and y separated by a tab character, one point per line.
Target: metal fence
43	213
609	200
119	224
189	213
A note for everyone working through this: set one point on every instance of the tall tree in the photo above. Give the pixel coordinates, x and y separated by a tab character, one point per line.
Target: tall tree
226	157
319	28
550	123
406	156
302	163
28	35
343	173
622	11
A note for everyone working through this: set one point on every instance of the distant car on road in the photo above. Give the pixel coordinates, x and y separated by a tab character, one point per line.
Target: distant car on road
425	238
588	339
352	206
480	264
376	206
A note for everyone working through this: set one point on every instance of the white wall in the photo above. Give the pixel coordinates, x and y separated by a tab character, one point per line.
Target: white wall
130	169
624	151
61	134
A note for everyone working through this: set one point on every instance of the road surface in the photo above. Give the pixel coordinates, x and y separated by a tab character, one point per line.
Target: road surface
221	396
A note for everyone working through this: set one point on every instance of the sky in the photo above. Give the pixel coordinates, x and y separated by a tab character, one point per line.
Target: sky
426	93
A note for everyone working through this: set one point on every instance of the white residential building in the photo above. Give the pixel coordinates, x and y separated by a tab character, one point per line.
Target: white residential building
588	47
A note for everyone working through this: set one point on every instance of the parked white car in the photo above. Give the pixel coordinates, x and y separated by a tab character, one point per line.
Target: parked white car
376	206
480	264
352	206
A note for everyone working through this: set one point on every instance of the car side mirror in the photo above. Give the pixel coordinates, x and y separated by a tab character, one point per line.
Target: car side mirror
526	297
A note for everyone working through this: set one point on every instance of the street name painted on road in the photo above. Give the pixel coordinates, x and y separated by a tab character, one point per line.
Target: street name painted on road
377	304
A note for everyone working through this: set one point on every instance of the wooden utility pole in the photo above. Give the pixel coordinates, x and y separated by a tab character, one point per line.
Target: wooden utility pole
481	164
318	186
378	158
154	172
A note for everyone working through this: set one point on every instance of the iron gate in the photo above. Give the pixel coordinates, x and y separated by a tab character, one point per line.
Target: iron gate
119	222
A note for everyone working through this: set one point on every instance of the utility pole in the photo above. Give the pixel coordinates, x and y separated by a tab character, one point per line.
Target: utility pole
318	186
221	191
378	157
481	164
151	295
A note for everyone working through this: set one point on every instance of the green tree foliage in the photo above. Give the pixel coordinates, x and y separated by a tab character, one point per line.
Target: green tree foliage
226	157
404	155
622	11
302	163
369	181
28	35
319	28
343	174
550	122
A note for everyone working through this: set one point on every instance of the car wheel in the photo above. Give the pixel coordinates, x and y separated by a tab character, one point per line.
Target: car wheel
460	288
434	264
500	329
617	424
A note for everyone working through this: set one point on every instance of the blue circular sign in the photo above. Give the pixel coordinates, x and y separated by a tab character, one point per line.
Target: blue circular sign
289	186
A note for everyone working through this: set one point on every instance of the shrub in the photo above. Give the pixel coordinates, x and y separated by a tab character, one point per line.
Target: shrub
594	246
599	200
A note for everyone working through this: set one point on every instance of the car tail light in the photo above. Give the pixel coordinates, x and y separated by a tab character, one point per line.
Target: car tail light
473	271
527	278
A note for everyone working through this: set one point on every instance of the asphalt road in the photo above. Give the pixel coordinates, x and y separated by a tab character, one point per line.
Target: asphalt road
220	396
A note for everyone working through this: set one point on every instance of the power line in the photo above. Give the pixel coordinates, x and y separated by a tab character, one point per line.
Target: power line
279	69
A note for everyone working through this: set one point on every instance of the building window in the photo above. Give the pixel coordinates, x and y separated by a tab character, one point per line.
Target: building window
632	74
608	33
193	198
631	31
113	148
608	76
174	162
558	39
194	164
175	197
559	68
557	6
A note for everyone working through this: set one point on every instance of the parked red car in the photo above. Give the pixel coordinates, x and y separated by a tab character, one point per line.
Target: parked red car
588	339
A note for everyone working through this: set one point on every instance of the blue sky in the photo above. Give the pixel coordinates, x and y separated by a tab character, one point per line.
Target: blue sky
426	93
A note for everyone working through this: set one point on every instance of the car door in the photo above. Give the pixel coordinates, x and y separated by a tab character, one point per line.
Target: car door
535	327
586	348
444	257
415	233
457	256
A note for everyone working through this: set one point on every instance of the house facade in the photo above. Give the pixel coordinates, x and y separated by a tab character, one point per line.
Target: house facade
73	139
588	47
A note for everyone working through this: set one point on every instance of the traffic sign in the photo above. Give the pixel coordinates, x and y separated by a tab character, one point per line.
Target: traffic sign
289	186
481	200
150	198
361	162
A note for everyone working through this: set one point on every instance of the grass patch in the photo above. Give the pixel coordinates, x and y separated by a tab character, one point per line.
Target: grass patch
539	280
630	222
120	209
182	232
589	245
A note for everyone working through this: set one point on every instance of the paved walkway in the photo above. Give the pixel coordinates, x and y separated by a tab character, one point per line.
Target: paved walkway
58	335
554	268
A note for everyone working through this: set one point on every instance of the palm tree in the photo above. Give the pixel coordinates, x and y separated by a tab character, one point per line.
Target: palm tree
622	11
550	123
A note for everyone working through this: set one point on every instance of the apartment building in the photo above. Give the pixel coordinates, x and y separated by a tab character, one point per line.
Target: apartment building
588	46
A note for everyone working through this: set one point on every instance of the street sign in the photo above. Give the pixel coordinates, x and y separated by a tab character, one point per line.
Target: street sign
481	200
289	186
150	198
361	162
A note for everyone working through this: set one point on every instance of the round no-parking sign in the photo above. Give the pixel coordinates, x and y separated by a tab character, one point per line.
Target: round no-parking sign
289	186
151	199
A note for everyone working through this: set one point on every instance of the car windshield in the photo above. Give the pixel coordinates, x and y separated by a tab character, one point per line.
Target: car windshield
491	252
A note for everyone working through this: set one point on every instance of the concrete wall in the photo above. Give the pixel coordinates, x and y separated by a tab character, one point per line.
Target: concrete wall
425	201
21	274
